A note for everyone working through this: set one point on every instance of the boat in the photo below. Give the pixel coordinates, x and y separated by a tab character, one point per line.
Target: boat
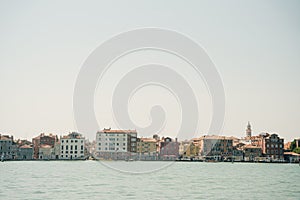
2	157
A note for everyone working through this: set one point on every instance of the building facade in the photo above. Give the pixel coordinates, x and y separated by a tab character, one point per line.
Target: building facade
116	144
169	149
25	152
72	147
216	147
273	147
43	139
147	148
251	152
6	143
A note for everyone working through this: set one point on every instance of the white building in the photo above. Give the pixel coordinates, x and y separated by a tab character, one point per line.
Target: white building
72	147
115	144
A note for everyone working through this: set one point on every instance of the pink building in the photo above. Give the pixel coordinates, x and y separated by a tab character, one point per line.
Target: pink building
169	149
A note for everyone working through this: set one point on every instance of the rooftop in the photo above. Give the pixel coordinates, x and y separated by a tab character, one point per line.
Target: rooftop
73	135
215	137
5	137
147	140
117	131
25	147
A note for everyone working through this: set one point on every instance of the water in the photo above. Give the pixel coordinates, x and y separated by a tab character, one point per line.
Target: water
92	180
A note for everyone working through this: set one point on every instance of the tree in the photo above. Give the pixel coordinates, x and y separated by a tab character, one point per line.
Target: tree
293	145
297	150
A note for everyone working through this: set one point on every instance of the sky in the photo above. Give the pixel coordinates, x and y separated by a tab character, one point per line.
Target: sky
254	45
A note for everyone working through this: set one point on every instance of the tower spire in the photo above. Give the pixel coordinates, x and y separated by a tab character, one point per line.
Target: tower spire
248	130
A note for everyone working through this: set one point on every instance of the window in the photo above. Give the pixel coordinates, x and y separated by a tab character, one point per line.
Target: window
81	147
76	141
71	147
62	147
67	147
75	147
67	141
71	141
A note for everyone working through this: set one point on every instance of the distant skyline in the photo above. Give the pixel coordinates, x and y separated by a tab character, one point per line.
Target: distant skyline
254	44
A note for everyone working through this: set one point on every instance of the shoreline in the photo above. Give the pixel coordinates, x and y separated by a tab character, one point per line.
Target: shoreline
196	161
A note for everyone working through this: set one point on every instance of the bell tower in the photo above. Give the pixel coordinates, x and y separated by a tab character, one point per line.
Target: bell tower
248	130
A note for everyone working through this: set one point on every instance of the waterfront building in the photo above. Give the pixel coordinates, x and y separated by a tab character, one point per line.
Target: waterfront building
72	147
237	154
183	146
169	149
192	150
43	139
216	147
25	152
116	144
6	143
46	152
251	152
147	148
291	157
272	146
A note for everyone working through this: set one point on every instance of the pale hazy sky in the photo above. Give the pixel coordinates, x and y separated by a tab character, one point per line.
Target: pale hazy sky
254	44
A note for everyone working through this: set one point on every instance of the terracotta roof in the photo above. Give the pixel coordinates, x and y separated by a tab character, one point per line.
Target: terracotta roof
46	146
216	137
25	147
2	137
43	135
147	140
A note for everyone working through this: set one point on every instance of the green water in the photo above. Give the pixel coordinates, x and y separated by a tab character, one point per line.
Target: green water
93	180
